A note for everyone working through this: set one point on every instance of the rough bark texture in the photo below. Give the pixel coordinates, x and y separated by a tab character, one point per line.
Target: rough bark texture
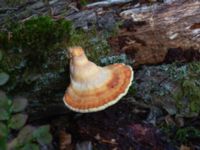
150	33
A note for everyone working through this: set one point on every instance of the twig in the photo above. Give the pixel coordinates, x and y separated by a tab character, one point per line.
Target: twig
107	3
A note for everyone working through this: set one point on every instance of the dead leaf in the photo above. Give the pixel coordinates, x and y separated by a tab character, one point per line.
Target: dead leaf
65	141
183	147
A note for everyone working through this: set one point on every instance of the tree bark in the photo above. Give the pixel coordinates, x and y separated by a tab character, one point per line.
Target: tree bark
151	33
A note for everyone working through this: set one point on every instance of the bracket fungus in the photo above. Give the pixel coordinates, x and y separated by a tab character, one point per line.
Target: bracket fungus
94	88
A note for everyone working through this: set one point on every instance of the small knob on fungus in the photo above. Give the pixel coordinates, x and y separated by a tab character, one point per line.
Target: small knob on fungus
76	51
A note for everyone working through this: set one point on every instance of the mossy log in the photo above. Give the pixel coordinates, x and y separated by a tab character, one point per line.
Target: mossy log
152	34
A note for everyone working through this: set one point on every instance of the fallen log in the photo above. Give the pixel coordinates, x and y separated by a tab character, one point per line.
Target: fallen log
149	32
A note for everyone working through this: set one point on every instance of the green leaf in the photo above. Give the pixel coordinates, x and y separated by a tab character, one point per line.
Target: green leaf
3	130
12	144
5	103
1	55
19	104
3	78
2	95
3	100
17	121
25	135
194	106
43	135
3	143
4	115
30	146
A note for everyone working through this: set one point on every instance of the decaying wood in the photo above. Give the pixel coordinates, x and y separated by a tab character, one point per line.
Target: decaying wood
152	31
107	3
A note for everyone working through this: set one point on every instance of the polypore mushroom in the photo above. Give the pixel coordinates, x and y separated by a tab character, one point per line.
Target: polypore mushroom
94	88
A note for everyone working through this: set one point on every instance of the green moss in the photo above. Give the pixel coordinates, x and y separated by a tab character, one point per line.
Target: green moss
29	46
94	43
189	81
35	37
184	134
180	135
83	2
39	46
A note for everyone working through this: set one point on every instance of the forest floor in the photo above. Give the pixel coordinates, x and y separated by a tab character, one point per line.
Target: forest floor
161	109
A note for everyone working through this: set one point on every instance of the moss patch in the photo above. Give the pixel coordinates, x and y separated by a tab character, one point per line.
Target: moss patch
189	95
39	46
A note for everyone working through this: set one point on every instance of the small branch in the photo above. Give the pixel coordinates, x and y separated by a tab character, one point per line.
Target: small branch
107	3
